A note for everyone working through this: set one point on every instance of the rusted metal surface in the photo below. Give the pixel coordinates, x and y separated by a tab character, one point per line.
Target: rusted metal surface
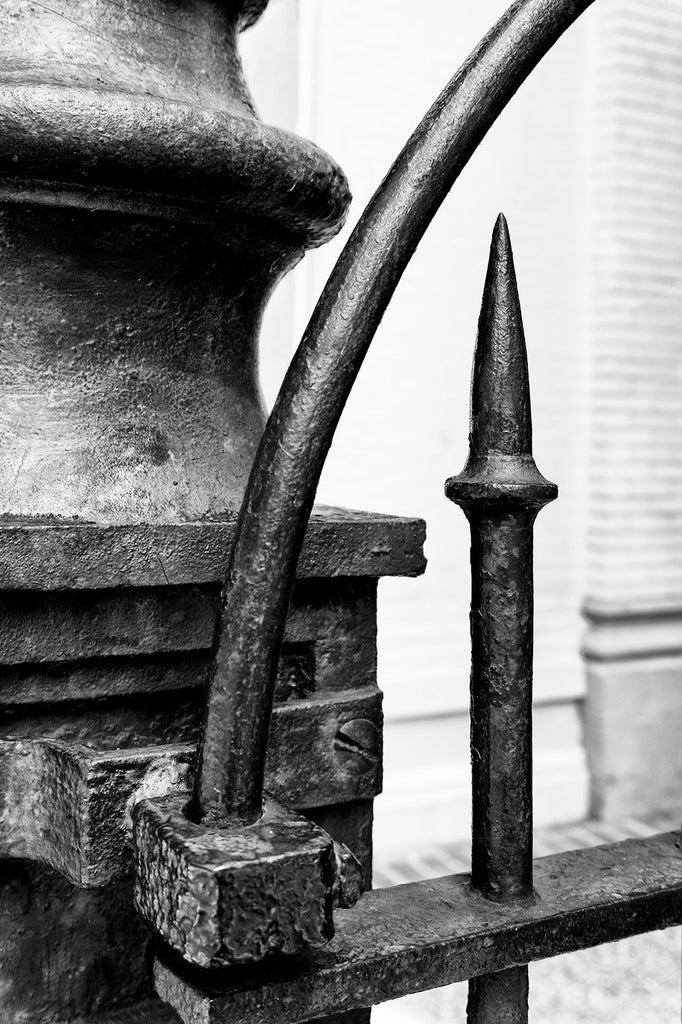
357	746
66	951
306	766
141	106
160	1013
235	894
113	701
149	1012
70	806
418	936
225	891
178	268
501	491
500	998
349	883
350	823
283	482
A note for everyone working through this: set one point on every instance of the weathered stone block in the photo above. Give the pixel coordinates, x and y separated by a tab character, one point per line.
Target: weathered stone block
69	806
633	729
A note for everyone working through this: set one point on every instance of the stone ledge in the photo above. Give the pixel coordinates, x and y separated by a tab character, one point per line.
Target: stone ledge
70	555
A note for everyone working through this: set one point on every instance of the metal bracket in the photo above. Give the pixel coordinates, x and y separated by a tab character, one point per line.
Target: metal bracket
234	893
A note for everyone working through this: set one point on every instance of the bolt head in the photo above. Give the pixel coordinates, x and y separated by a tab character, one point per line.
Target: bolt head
357	746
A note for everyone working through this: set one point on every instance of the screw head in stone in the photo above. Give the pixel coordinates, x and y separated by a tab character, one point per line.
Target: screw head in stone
357	745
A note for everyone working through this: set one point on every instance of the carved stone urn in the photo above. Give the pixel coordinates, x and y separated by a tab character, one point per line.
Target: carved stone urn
146	214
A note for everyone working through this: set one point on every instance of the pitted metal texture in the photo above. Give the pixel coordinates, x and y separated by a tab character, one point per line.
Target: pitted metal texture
235	893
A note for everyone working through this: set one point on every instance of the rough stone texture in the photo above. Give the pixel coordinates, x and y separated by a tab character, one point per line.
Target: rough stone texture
54	554
232	894
70	806
146	215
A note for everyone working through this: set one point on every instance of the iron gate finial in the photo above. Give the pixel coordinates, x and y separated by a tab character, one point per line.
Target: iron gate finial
501	491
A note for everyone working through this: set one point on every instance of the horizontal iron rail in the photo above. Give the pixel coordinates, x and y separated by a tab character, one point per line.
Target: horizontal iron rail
419	936
47	555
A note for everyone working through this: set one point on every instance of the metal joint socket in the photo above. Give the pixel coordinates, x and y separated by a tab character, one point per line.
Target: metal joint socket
222	894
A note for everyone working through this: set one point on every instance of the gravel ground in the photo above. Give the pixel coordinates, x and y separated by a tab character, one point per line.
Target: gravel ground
636	981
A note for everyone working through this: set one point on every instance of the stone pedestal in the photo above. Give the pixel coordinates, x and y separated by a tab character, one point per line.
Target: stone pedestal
146	213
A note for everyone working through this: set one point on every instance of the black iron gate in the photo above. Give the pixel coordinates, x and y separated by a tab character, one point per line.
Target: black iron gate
485	927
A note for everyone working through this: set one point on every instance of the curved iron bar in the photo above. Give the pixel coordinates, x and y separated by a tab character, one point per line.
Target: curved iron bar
284	478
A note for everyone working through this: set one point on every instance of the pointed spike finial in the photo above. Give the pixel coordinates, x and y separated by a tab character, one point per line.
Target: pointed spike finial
501	491
500	469
500	395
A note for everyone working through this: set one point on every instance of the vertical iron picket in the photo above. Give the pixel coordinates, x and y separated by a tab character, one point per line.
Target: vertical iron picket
501	491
